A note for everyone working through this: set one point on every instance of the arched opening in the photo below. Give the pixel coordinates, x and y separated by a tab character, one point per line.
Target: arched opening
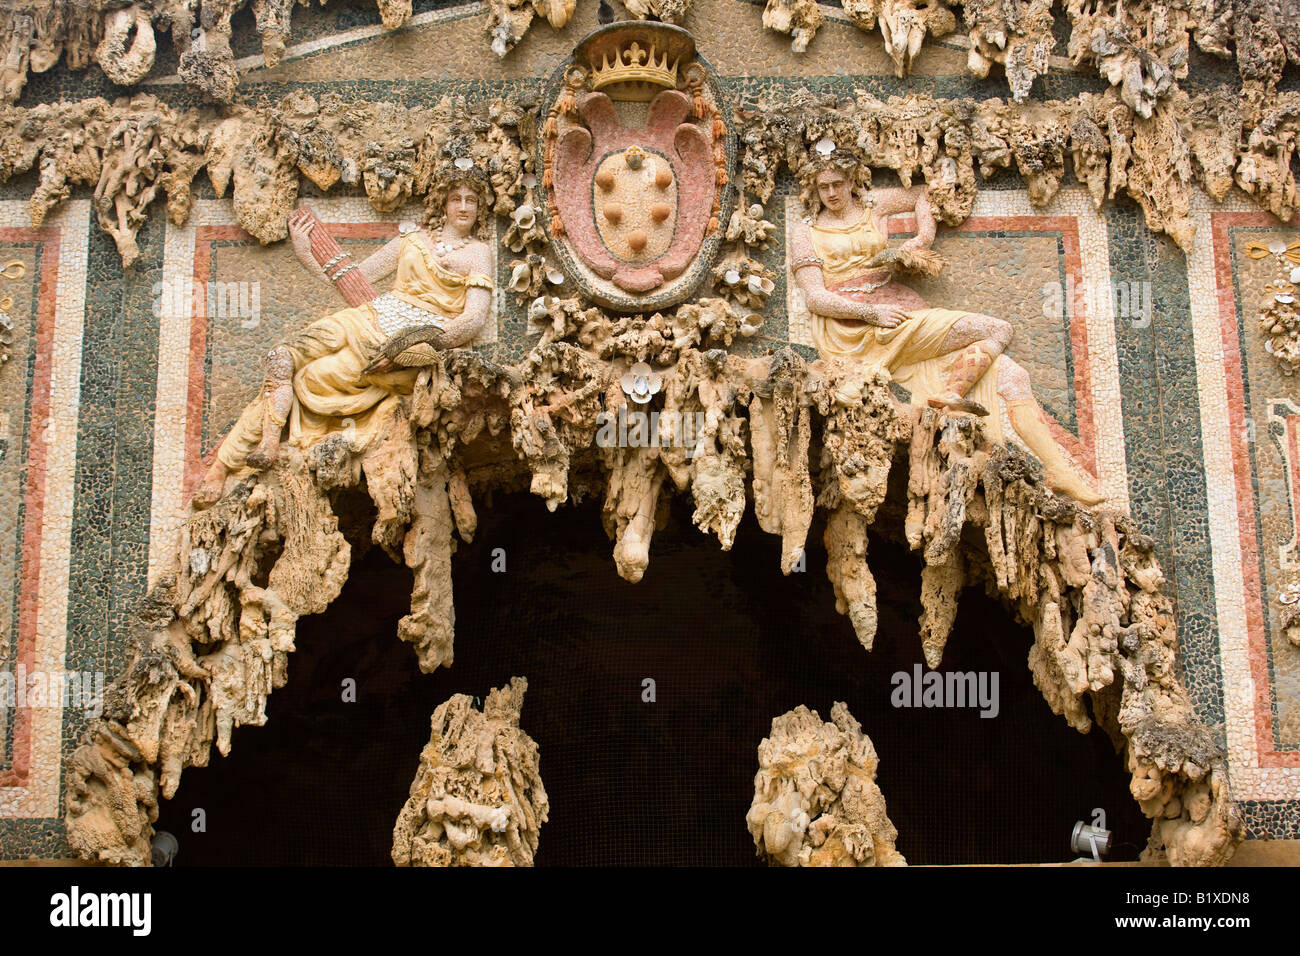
729	642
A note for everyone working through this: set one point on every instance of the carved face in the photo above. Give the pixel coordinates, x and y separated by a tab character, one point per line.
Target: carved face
462	208
833	190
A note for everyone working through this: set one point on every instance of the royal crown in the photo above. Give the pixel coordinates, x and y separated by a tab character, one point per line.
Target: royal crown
634	61
626	72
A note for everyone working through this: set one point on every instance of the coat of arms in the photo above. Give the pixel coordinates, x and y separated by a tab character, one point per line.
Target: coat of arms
635	158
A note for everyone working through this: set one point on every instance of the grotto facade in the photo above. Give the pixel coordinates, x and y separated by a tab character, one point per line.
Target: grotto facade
1009	288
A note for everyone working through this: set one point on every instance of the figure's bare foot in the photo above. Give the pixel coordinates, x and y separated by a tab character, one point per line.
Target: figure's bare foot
212	487
1064	483
953	402
263	456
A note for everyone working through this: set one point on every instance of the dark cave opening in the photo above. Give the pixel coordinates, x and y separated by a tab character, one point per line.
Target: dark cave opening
729	642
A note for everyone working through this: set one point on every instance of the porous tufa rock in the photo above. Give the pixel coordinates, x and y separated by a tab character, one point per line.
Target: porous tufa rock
904	25
133	151
799	18
665	11
477	798
509	20
212	639
1015	33
816	802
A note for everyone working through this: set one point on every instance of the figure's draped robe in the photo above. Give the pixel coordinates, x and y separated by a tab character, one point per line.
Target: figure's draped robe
912	352
331	394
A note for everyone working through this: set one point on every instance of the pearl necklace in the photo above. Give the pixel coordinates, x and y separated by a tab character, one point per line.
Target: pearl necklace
445	248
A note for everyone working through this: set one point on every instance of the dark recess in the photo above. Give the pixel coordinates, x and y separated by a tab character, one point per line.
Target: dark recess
730	643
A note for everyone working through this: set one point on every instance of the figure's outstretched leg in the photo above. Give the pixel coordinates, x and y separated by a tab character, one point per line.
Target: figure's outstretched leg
212	486
1030	423
981	339
277	394
261	423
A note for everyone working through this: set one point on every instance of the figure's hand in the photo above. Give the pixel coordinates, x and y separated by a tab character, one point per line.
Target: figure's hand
301	222
885	316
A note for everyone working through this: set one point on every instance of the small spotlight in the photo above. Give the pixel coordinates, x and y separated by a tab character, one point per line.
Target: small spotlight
1090	839
164	848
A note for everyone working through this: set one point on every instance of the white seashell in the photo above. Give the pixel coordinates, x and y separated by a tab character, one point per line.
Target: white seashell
537	308
1284	298
731	277
825	146
641	383
525	216
520	277
1277	248
554	276
464	162
529	180
1295	274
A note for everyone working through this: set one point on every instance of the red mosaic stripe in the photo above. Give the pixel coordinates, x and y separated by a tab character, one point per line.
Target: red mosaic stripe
34	505
1243	470
196	463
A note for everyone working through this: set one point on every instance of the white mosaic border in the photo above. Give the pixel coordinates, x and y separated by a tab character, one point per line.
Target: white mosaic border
168	507
40	798
1094	262
1249	780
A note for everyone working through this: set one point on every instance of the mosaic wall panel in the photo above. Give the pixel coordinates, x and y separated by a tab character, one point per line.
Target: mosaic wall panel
1247	407
42	289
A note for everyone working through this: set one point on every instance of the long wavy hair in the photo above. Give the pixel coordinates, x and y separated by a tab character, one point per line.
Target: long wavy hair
853	168
449	176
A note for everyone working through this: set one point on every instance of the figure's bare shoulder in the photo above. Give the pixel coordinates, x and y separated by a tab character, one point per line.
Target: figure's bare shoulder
478	256
800	237
892	200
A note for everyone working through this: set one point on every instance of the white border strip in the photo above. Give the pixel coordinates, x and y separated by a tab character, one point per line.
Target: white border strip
169	506
40	798
1249	780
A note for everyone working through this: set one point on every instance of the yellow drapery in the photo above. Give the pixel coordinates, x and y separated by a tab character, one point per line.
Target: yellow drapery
329	355
912	352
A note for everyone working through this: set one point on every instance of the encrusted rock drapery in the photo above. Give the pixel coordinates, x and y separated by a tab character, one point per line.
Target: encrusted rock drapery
132	152
816	802
1141	48
212	638
477	798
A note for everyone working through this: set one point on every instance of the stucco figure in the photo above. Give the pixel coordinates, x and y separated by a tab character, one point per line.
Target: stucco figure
947	358
336	374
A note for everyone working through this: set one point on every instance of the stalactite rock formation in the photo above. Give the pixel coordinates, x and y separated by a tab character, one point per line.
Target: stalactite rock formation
1014	33
1141	48
212	638
816	802
477	798
904	25
134	151
799	18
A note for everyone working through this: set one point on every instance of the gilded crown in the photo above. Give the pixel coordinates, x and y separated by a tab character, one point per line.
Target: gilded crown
632	68
634	61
